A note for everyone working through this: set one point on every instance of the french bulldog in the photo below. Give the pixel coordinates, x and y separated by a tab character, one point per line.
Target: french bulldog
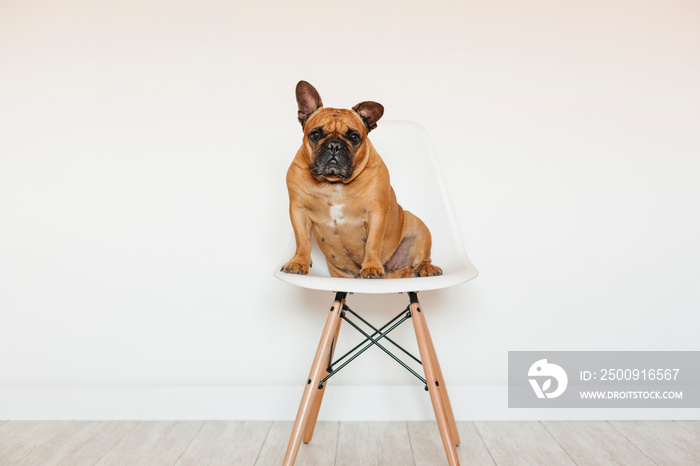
339	192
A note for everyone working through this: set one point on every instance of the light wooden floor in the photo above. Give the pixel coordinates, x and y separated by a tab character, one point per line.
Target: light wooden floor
347	443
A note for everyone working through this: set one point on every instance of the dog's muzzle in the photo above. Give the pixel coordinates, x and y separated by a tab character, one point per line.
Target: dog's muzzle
333	159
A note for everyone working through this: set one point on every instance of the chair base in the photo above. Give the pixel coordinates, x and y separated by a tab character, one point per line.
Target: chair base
323	369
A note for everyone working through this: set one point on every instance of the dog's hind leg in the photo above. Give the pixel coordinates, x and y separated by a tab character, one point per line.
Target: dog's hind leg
412	256
419	254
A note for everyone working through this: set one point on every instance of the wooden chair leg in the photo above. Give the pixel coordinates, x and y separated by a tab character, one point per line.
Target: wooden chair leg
445	396
316	407
315	375
434	381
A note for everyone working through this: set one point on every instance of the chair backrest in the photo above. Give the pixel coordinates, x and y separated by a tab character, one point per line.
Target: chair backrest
420	188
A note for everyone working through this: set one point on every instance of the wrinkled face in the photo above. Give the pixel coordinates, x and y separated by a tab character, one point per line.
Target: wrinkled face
335	138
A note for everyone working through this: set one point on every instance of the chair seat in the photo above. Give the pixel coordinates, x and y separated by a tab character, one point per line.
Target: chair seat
420	189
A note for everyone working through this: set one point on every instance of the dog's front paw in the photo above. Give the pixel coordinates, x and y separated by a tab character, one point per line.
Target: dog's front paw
296	267
372	272
426	269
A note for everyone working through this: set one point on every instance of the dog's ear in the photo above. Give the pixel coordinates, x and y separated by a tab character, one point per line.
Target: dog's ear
370	112
308	101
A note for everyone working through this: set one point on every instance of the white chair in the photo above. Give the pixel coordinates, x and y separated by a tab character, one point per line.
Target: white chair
420	188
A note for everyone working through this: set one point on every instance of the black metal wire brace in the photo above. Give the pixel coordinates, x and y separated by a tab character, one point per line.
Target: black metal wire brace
373	340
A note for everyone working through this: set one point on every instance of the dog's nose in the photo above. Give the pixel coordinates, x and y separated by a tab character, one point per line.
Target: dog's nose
334	147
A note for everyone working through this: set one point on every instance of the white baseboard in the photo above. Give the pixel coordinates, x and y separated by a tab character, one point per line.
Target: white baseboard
344	403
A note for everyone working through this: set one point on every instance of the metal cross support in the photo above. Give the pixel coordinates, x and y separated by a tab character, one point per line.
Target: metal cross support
373	340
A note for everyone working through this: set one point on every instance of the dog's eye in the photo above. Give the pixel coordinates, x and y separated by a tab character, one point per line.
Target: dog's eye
355	138
314	136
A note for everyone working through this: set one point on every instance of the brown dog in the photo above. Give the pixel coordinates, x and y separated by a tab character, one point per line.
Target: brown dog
339	190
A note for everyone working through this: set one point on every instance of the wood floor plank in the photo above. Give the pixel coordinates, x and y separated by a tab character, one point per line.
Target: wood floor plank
473	449
692	426
665	442
275	445
15	440
88	451
521	443
426	443
226	443
428	449
373	443
322	448
21	438
153	443
596	443
320	451
7	430
61	434
77	443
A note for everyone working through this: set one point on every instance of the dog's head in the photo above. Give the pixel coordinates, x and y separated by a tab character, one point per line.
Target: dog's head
335	140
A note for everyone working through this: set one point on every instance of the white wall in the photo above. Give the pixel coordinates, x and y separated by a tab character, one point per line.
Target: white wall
143	147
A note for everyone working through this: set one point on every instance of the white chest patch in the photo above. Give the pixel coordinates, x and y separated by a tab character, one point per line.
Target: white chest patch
336	213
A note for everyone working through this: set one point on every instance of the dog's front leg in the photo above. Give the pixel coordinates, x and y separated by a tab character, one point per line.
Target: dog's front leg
301	262
372	266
